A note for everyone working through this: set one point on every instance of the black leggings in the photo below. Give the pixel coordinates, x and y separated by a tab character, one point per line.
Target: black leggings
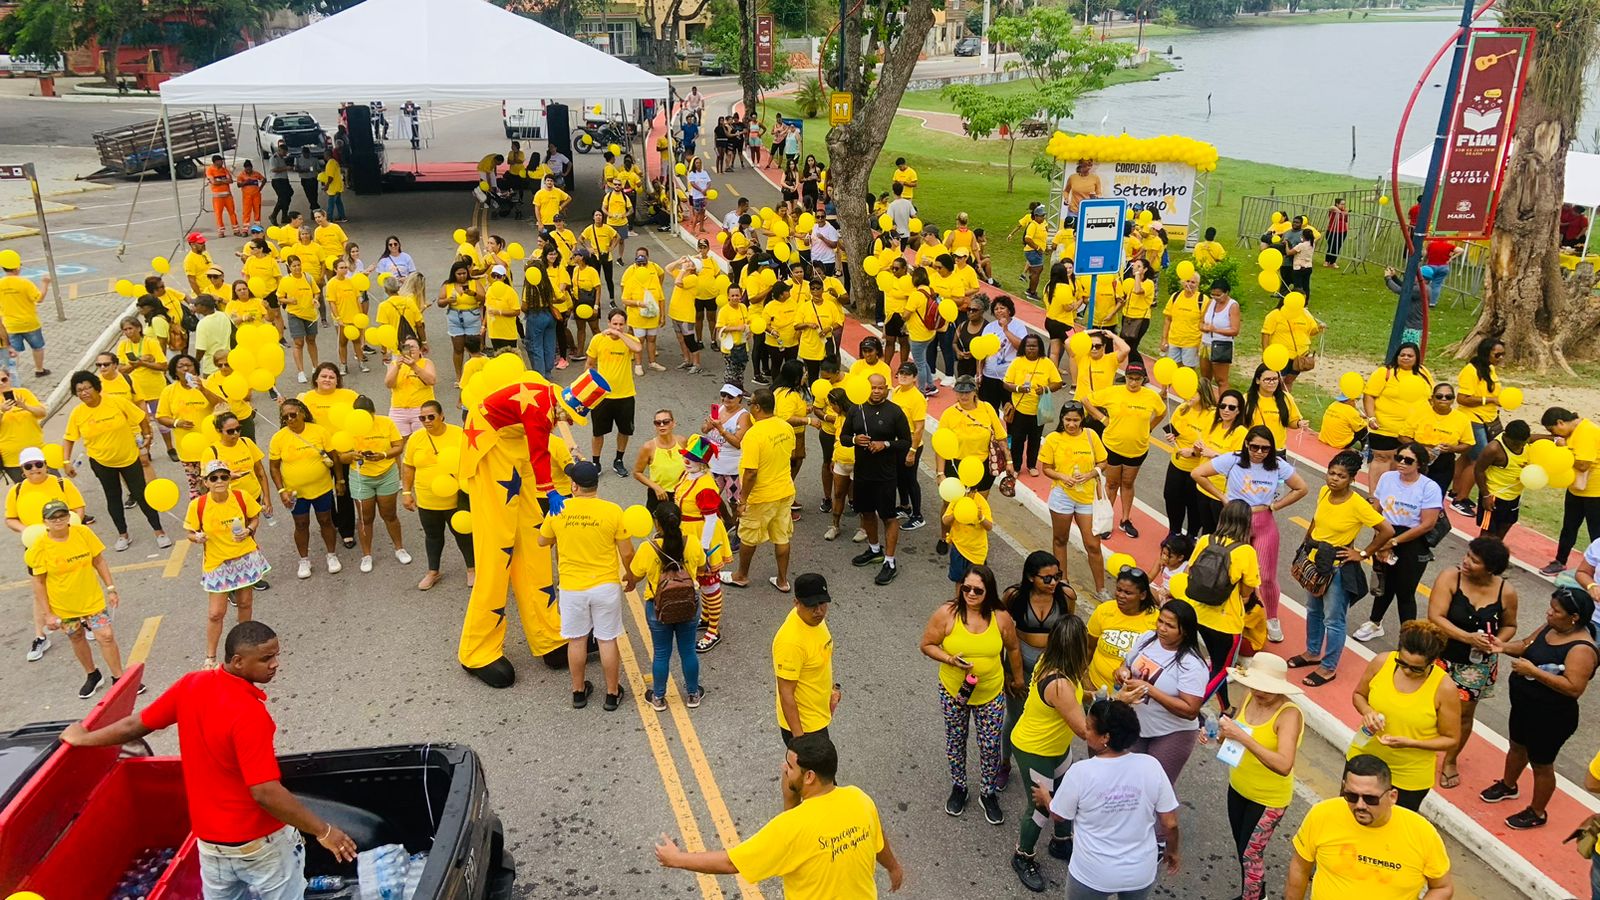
1577	511
607	269
344	508
1208	509
1182	497
434	523
111	481
1221	648
908	487
1400	581
1411	800
1025	430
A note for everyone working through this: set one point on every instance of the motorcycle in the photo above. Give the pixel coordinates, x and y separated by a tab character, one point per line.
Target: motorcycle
599	135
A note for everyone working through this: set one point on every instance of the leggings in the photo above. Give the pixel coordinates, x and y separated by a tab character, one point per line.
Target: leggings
1025	430
1133	331
1411	800
1222	648
1171	751
908	486
1265	530
1039	770
1335	243
1253	825
111	481
711	602
1577	511
608	270
991	720
1400	581
282	194
1182	498
344	508
1208	509
434	523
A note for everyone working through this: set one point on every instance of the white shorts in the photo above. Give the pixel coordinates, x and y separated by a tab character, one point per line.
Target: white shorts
645	332
1062	505
598	609
844	470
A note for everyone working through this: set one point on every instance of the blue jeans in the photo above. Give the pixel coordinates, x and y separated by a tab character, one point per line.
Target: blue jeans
1325	625
1436	284
540	326
336	206
662	638
1594	877
921	353
274	866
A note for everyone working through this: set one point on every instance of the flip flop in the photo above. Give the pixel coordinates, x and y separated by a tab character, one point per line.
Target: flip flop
773	580
1317	679
1448	781
1302	662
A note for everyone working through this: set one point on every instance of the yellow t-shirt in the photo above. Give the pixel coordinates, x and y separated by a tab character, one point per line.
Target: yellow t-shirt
1128	416
1027	373
1395	397
299	297
19	304
241	459
905	177
780	321
616	207
410	391
461	297
265	267
972	541
641	283
974	428
804	654
1139	302
915	406
330	238
648	564
344	301
422	453
70	584
1094	374
299	458
18	428
614	361
1063	301
1190	424
560	458
380	439
1267	414
1244	570
732	321
1468	384
586	535
547	202
107	431
1036	236
1340	422
1340	523
813	340
1433	430
1114	632
1584	442
238	403
322	405
788	405
221	544
767	447
25	500
399	308
1106	298
179	401
252	309
680	308
1208	253
1291	330
1390	862
866	370
1183	311
1068	454
309	254
195	266
565	242
502	298
959	238
824	849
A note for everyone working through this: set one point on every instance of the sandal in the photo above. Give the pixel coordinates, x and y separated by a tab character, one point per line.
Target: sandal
1448	780
781	588
1317	679
1302	662
209	664
707	641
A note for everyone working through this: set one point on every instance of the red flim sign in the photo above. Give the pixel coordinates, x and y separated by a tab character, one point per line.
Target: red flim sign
1479	140
764	46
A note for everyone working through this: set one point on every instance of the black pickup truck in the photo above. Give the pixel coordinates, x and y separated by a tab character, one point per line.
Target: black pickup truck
75	822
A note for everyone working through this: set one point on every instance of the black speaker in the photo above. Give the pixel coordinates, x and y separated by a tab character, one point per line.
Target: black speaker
558	125
361	165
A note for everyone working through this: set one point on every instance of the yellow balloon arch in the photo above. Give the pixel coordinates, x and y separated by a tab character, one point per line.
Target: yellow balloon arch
1127	148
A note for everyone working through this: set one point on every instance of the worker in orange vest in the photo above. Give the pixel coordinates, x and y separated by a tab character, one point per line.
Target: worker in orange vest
221	181
250	184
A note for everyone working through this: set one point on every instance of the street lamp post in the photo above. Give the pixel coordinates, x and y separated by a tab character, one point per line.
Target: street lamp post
983	53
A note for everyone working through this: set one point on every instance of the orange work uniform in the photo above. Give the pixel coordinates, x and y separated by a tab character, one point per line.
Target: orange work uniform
250	184
221	181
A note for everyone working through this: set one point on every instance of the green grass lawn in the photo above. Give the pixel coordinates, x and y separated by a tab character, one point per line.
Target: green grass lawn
932	101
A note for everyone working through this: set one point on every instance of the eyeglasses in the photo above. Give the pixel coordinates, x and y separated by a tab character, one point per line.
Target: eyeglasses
1406	460
1228	406
219	476
1048	579
32	465
429	417
1259	448
230	431
1353	798
975	590
662	423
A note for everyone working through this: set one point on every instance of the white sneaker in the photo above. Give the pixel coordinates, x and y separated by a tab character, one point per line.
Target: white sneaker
37	648
88	635
334	566
300	377
860	535
366	564
121	544
403	556
831	533
1367	632
1274	631
638	370
163	541
304	571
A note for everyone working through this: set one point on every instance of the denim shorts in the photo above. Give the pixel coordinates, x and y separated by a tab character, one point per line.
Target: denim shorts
299	328
1480	439
1034	258
306	506
23	339
1063	505
461	322
1184	356
366	487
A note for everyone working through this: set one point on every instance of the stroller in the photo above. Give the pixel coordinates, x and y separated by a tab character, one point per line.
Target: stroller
499	201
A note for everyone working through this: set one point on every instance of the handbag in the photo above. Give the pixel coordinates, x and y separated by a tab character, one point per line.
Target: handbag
1004	481
1103	517
1308	572
1305	362
1586	836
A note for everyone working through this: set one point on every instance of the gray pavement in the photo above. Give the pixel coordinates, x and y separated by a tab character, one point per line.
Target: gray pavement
369	660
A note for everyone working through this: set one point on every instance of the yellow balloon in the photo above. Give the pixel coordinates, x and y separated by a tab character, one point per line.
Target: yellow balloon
946	443
515	250
388	336
1561	479
53	456
1164	369
1078	344
915	226
1510	398
192	445
711	194
1186	270
160	265
361	281
951	490
780	252
236	386
336	417
1351	384
871	266
858	389
125	287
1146	217
1294	301
1178	586
342	441
358	422
1116	561
885	223
362	320
1269	259
948	310
261	380
161	494
1276	356
459	235
1185	382
971	470
259	286
758	325
241	359
585	311
820	390
1534	477
461	522
636	521
681	169
965	511
1383	200
372	335
30	536
1270	281
351	332
616	149
444	485
533	276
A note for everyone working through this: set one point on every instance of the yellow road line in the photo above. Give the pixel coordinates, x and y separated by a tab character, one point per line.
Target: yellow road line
131	567
141	644
681	811
721	818
733	190
174	563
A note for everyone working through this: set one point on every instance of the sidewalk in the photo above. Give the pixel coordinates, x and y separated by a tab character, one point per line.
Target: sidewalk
1535	861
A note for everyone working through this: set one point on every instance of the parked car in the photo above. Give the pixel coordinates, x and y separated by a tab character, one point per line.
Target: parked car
711	64
297	129
968	46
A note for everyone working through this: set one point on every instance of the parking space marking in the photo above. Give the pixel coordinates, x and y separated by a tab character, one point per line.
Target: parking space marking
131	567
174	563
141	644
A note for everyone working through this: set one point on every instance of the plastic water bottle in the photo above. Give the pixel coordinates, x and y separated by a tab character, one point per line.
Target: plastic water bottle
323	883
1102	693
1208	721
1367	732
1553	668
238	528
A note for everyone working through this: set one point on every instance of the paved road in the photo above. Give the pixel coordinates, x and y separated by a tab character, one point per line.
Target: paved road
369	660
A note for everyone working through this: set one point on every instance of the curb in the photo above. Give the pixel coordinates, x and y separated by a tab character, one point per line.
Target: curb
19	233
58	396
28	214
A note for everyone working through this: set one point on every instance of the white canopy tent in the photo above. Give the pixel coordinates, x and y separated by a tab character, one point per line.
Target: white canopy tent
1582	187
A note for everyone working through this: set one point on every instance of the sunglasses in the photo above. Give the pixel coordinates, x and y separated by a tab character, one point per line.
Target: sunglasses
289	414
1444	396
662	423
1353	798
230	431
1406	460
429	417
1048	579
1419	671
104	364
32	465
219	476
1132	572
1228	406
1259	448
974	589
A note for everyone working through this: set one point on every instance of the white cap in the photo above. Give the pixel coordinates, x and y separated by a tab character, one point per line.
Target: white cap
498	270
733	390
30	455
214	465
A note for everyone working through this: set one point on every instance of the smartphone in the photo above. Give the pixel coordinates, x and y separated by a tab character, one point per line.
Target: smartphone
11	396
132	358
716	411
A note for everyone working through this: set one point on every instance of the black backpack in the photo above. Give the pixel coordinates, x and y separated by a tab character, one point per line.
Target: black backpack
1210	575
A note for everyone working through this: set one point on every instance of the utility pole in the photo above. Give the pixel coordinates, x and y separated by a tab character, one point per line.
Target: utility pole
983	52
844	15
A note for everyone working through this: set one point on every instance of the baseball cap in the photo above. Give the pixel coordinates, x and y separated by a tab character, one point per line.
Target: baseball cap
965	384
56	507
214	270
733	390
498	270
584	474
30	455
195	237
961	251
811	589
214	465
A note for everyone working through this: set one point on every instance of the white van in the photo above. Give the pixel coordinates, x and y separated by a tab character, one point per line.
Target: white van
524	119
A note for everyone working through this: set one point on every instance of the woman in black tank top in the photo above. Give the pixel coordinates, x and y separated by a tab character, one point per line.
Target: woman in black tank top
1476	608
1035	603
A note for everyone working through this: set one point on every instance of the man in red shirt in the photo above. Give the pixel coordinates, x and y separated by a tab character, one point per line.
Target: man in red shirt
247	823
1438	253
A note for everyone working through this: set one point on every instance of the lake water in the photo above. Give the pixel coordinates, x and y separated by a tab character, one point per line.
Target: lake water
1289	94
